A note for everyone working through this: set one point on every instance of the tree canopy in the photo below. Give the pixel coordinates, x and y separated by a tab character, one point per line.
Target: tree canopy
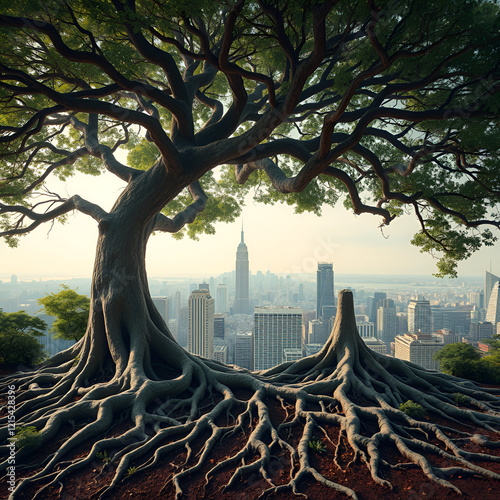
19	334
71	311
390	106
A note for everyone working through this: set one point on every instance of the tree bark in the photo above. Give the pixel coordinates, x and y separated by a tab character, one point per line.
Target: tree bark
125	332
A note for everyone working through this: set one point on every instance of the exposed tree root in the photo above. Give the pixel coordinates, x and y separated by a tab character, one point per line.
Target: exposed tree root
346	385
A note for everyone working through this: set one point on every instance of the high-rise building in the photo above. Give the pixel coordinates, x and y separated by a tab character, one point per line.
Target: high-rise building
489	283
481	330
243	350
276	329
221	299
219	326
242	298
386	321
161	304
325	296
401	322
493	310
174	306
450	318
317	332
201	323
419	316
419	349
376	302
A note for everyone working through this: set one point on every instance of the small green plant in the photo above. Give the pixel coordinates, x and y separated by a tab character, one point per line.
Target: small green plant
412	409
103	455
75	361
131	470
317	445
28	437
458	397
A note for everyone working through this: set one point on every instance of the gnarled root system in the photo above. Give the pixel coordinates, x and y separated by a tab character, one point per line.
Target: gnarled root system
346	385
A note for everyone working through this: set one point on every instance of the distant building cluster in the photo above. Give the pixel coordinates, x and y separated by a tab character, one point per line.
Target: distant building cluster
259	321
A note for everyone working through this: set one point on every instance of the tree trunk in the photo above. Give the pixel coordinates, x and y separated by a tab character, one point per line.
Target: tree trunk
126	335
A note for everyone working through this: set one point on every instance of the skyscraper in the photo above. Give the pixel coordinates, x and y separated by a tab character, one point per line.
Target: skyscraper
161	303
221	298
386	321
325	297
276	329
219	326
201	323
378	298
243	350
419	316
493	311
489	283
242	300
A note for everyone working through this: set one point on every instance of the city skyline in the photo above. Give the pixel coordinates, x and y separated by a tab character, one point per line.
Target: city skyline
277	239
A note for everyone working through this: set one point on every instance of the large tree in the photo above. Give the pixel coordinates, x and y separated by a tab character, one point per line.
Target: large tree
391	105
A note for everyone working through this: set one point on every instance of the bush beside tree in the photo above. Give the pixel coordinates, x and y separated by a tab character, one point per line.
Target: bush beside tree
19	334
462	360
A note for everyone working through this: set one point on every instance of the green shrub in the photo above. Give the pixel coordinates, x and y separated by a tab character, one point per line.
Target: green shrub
317	445
103	455
28	437
412	409
460	398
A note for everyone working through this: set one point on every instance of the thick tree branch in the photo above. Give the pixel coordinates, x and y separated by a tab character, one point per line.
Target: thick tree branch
73	203
186	216
184	120
460	216
176	107
105	153
65	101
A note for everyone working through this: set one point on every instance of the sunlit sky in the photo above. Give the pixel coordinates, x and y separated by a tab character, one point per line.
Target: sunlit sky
278	240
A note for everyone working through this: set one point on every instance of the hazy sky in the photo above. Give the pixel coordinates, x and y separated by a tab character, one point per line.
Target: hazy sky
277	239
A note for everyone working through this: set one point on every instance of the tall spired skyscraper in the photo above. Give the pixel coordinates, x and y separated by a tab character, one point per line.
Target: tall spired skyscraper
242	298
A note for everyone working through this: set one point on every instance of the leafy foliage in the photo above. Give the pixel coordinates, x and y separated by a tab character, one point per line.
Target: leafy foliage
19	333
103	455
388	109
494	342
458	397
457	359
131	470
412	409
28	437
71	311
317	445
462	360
